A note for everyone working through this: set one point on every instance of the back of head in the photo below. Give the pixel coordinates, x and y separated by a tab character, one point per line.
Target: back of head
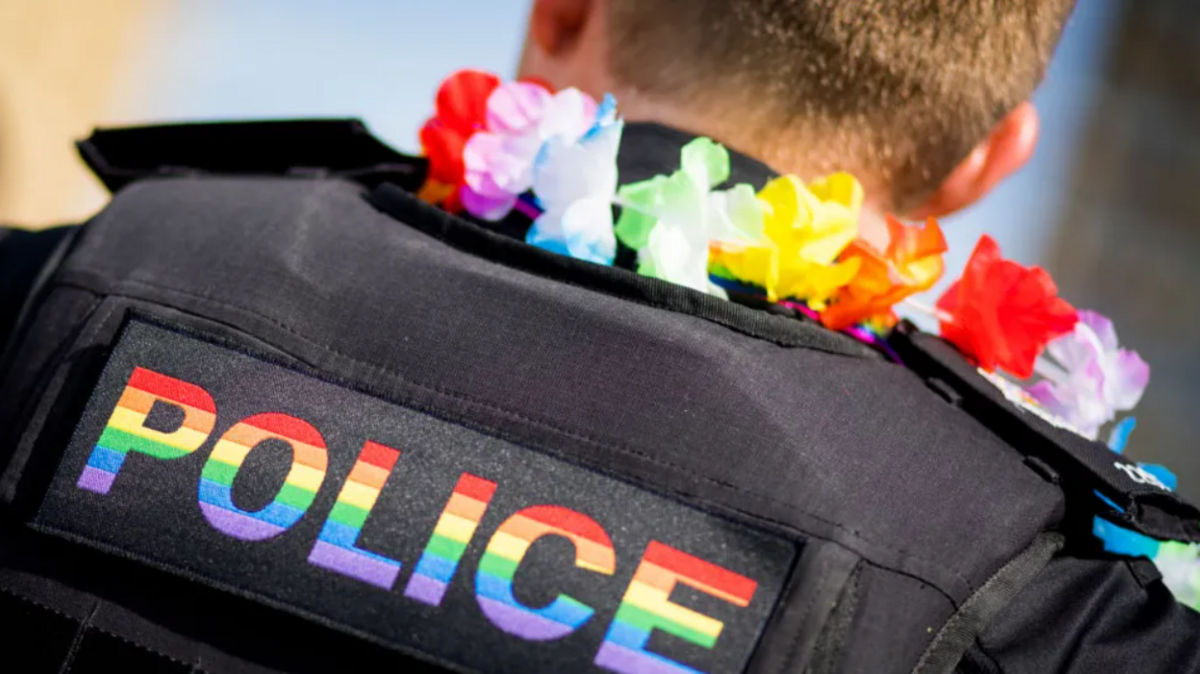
896	91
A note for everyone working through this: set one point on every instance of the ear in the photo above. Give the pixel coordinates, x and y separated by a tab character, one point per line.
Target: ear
556	25
1002	153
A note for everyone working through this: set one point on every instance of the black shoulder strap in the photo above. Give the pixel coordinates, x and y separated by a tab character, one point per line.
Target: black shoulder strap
1145	505
334	147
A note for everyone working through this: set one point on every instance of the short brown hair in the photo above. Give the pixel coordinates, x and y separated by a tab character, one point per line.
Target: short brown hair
902	88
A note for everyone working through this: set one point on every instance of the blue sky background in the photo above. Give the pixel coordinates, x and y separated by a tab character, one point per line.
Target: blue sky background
382	60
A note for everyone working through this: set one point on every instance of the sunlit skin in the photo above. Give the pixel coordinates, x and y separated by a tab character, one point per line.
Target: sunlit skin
567	45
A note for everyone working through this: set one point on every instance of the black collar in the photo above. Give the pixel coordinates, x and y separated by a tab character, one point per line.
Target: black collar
650	149
345	149
341	148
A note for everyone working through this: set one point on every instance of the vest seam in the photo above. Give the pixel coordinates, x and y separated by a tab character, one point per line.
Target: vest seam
798	637
946	649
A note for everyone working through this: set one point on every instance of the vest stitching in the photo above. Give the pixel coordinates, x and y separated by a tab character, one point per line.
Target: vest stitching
80	633
86	625
808	609
603	444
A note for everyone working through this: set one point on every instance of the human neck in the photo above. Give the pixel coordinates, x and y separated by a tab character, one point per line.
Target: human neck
751	133
781	150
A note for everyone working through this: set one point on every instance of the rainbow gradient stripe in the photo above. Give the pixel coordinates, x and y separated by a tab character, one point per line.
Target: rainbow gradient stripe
335	548
646	607
451	535
126	431
309	463
494	580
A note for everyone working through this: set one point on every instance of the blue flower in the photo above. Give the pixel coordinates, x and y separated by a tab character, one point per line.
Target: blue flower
575	183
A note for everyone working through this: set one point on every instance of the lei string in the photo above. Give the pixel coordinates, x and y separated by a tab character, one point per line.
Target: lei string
498	147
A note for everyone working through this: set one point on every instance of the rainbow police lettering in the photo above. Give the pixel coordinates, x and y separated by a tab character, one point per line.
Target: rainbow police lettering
127	431
335	548
451	536
309	462
494	581
647	606
517	560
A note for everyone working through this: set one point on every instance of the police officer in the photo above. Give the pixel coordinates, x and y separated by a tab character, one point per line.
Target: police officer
270	412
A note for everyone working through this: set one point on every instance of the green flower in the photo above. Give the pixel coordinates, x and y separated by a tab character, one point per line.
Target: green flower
672	220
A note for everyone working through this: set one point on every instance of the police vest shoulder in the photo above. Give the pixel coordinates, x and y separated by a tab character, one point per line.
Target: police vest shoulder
330	147
1132	497
378	422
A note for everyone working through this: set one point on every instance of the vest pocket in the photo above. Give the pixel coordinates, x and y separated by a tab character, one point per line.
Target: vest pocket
360	511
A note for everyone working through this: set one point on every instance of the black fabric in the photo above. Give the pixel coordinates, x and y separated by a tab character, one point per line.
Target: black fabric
649	150
978	661
1085	464
749	417
475	239
821	576
836	634
100	653
318	274
176	619
150	512
34	639
800	435
24	257
897	616
964	627
335	147
1091	615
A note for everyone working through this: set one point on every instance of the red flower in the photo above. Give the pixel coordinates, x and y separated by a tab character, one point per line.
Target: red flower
461	111
1002	314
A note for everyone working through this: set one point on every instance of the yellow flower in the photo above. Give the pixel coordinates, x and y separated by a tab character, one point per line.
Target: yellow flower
807	228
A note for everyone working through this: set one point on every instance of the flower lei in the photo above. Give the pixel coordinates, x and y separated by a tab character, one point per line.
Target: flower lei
496	147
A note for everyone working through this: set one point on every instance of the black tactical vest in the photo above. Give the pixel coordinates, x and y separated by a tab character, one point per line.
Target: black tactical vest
269	412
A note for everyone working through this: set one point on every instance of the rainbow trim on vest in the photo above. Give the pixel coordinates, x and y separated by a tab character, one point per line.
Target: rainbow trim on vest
309	463
335	548
647	606
126	431
279	492
493	582
453	532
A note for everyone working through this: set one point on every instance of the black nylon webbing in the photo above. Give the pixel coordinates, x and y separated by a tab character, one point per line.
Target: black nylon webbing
1085	465
35	638
957	635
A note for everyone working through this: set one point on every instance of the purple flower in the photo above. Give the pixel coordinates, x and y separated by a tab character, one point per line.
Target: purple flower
1092	378
521	118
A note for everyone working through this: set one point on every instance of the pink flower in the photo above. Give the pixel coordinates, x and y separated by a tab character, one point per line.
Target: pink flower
521	117
1094	378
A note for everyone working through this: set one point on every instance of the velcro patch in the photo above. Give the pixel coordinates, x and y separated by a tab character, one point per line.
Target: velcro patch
426	535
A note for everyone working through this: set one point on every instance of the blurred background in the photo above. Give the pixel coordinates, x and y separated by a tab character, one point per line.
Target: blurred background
1109	205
